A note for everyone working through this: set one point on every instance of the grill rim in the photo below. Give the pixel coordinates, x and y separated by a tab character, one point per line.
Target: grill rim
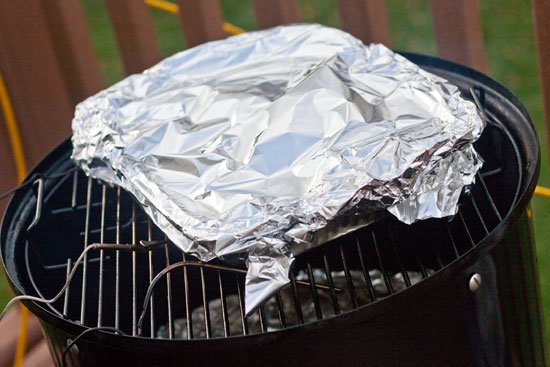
518	129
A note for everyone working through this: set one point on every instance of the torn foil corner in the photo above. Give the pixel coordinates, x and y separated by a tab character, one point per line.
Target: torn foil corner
266	144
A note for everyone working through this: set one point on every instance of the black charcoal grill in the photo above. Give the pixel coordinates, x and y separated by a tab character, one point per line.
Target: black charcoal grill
460	291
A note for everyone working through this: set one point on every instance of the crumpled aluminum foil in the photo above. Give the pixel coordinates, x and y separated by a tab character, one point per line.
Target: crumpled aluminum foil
261	146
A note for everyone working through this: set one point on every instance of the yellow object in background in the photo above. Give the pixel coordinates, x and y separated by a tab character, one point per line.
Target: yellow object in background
13	132
542	191
22	338
170	7
163	5
232	29
21	168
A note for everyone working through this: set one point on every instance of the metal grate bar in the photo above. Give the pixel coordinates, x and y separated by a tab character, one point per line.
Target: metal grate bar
169	294
205	305
489	197
404	272
297	305
330	283
480	217
282	319
349	280
244	321
387	279
102	240
314	295
368	280
492	172
422	267
438	258
75	189
225	317
134	279
77	208
466	229
112	228
455	249
188	311
85	261
66	298
151	272
263	321
117	262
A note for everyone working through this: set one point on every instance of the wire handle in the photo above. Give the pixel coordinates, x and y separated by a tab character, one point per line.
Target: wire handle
39	200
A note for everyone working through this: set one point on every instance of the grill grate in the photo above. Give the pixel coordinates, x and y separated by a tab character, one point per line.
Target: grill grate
189	299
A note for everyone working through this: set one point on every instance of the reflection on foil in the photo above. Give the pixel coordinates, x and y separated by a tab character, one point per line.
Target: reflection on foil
271	309
261	146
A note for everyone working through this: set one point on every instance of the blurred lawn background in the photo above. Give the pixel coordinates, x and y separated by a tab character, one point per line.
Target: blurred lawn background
510	49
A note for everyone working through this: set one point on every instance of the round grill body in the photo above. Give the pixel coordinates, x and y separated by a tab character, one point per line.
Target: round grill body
458	291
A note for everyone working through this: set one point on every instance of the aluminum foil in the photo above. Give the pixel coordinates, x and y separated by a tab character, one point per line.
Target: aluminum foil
261	146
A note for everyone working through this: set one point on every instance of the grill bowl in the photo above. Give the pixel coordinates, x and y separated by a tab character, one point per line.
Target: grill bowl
437	320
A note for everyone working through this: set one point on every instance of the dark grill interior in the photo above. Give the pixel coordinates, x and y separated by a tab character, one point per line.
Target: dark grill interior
201	301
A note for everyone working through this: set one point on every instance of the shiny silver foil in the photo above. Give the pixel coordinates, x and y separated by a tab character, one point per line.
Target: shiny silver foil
261	146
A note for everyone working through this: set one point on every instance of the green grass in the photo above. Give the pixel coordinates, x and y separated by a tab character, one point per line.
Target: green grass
509	45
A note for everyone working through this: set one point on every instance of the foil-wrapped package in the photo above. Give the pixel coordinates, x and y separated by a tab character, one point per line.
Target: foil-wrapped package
261	146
